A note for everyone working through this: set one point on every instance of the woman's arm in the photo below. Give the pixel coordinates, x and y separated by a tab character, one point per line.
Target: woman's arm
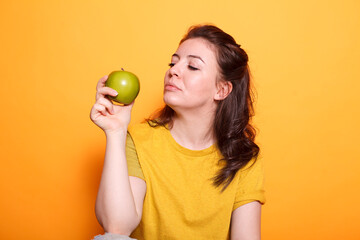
245	222
120	197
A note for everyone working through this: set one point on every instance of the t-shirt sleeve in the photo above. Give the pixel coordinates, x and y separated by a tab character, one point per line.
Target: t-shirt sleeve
251	184
134	168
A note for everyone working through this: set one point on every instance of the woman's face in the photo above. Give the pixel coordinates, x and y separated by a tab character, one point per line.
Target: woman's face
190	83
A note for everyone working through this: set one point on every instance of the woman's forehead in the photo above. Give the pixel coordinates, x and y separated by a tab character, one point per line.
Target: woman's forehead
196	47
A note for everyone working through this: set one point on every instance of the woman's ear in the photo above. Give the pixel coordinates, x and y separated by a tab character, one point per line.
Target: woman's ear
224	88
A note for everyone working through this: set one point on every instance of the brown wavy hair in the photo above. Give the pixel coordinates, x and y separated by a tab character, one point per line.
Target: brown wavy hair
232	128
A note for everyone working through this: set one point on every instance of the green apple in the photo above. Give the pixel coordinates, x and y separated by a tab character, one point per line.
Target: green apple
126	84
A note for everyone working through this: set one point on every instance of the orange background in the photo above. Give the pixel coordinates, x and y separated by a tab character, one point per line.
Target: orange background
304	57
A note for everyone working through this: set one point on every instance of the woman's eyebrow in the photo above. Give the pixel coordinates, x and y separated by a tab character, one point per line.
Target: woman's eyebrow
194	56
175	55
190	56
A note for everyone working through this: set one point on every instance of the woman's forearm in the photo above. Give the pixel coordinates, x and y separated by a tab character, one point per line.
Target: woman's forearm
115	206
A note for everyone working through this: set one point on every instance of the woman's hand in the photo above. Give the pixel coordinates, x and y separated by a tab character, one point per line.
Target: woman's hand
108	116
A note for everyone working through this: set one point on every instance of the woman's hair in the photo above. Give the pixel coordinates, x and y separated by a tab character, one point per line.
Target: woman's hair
232	128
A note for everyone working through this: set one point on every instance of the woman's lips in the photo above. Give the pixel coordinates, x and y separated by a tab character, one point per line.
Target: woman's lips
171	87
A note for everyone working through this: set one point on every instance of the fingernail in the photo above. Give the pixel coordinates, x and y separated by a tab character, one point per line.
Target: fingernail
115	93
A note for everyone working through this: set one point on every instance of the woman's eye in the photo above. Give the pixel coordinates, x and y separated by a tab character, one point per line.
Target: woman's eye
192	68
171	64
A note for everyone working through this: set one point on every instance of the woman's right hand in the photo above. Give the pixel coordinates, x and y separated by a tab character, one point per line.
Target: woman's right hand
108	116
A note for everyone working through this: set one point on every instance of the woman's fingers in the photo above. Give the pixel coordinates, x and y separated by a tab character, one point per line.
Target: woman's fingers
101	82
107	104
100	108
104	106
102	92
104	113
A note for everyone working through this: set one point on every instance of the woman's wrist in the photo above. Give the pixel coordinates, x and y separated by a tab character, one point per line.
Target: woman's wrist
118	133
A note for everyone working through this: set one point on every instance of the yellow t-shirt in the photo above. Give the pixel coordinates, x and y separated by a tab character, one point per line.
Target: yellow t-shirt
181	201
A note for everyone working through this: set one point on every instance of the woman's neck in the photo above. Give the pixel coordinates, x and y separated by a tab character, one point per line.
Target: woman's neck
193	131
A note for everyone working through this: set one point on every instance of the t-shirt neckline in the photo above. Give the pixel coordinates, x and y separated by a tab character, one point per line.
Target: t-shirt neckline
187	151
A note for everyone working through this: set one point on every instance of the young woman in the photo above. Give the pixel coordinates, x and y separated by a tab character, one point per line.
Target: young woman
192	171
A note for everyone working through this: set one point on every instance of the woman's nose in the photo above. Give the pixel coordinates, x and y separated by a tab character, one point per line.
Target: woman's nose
175	70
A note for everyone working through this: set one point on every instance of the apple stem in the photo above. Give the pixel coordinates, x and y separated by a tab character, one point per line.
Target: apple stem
122	69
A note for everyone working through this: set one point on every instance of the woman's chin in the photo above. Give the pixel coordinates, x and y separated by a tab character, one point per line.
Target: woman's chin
171	100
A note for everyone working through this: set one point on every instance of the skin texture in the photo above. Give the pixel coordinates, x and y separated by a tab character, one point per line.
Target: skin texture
192	88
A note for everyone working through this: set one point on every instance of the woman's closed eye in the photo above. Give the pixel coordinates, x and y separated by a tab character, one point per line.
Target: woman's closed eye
192	68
